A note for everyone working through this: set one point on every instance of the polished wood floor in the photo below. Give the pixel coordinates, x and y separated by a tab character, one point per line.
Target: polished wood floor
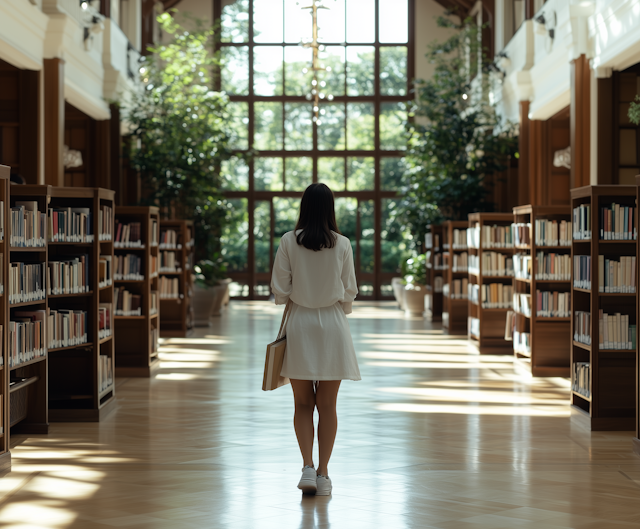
434	436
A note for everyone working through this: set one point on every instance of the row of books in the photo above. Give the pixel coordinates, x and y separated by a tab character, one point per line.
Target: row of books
581	378
70	276
127	303
617	223
521	233
582	271
105	372
522	303
522	342
492	264
169	240
617	276
154	266
169	262
154	232
438	283
169	288
27	337
66	328
154	303
1	222
474	326
490	236
460	262
522	266
128	267
26	282
105	271
553	266
28	225
105	223
553	232
128	235
582	327
553	304
432	241
440	262
105	320
582	222
457	289
615	332
70	225
155	339
491	295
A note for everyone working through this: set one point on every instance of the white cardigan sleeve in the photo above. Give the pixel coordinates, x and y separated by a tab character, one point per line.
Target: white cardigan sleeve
281	284
349	281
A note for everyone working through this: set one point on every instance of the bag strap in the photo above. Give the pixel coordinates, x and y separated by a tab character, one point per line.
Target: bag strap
287	310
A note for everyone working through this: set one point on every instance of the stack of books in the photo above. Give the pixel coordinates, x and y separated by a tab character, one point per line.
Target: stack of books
460	262
70	276
582	271
582	327
128	235
127	304
581	379
617	223
169	240
615	332
26	282
128	267
459	288
27	337
521	233
105	327
105	271
617	276
154	232
553	304
497	237
154	303
582	223
553	266
497	264
522	266
553	232
169	288
28	225
66	328
437	284
70	225
459	240
522	304
169	262
492	295
105	372
105	223
522	342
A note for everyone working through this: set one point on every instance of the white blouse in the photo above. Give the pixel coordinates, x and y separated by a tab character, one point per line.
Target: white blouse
314	279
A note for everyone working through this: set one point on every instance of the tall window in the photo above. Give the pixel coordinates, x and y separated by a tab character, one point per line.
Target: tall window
357	149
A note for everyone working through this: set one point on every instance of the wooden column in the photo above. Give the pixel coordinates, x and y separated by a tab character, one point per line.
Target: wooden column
102	154
537	181
580	122
116	182
53	121
605	131
525	159
28	133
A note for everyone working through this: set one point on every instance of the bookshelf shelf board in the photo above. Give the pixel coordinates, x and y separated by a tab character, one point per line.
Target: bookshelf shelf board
129	317
509	249
30	362
553	281
122	249
171	299
613	353
171	273
585	290
105	288
27	303
522	280
605	241
105	392
105	340
582	345
588	399
544	318
616	294
154	315
22	249
489	278
581	241
523	354
523	315
24	384
69	243
70	347
77	295
129	280
552	247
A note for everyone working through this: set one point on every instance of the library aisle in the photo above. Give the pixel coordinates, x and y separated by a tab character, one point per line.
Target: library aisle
434	436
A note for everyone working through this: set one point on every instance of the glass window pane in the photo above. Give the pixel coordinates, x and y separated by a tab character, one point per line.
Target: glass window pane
360	70
297	126
331	173
267	174
296	59
267	20
235	69
235	236
392	132
268	126
267	70
360	174
333	57
391	173
361	21
331	22
234	22
393	240
262	235
298	173
367	235
298	24
346	217
239	118
287	211
331	131
235	175
394	21
393	71
360	124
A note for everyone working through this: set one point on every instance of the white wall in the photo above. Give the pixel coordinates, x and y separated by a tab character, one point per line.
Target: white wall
427	30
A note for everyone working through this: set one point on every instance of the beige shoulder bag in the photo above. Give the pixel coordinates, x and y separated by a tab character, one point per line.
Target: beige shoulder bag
275	357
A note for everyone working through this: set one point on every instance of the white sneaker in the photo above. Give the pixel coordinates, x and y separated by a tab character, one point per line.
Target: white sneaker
308	480
324	486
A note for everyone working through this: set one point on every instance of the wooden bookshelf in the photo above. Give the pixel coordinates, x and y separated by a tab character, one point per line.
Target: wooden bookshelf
28	400
177	313
487	325
5	454
433	244
549	337
612	404
75	393
454	310
636	439
136	336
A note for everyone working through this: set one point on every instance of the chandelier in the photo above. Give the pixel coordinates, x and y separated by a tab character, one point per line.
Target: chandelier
317	92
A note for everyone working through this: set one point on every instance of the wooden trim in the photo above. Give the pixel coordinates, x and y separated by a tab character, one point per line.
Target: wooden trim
580	122
54	115
524	148
606	117
29	110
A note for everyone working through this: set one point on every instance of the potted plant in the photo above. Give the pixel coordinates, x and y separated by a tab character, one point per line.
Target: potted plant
414	271
210	290
397	283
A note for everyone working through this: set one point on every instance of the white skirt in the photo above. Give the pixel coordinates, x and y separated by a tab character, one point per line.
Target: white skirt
319	345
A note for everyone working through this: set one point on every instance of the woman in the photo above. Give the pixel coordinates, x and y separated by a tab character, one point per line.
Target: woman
314	269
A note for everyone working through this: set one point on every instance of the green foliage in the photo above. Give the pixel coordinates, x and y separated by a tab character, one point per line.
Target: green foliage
182	129
414	270
209	272
634	111
456	139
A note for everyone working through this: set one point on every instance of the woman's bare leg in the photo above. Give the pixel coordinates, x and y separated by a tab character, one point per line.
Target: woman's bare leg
326	398
305	399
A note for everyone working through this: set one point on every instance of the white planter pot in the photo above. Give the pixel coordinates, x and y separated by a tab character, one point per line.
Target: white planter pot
414	300
202	303
398	291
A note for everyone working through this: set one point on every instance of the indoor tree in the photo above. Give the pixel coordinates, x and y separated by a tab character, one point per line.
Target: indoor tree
456	139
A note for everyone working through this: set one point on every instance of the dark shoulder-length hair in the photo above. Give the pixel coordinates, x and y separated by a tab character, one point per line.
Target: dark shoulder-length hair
317	219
